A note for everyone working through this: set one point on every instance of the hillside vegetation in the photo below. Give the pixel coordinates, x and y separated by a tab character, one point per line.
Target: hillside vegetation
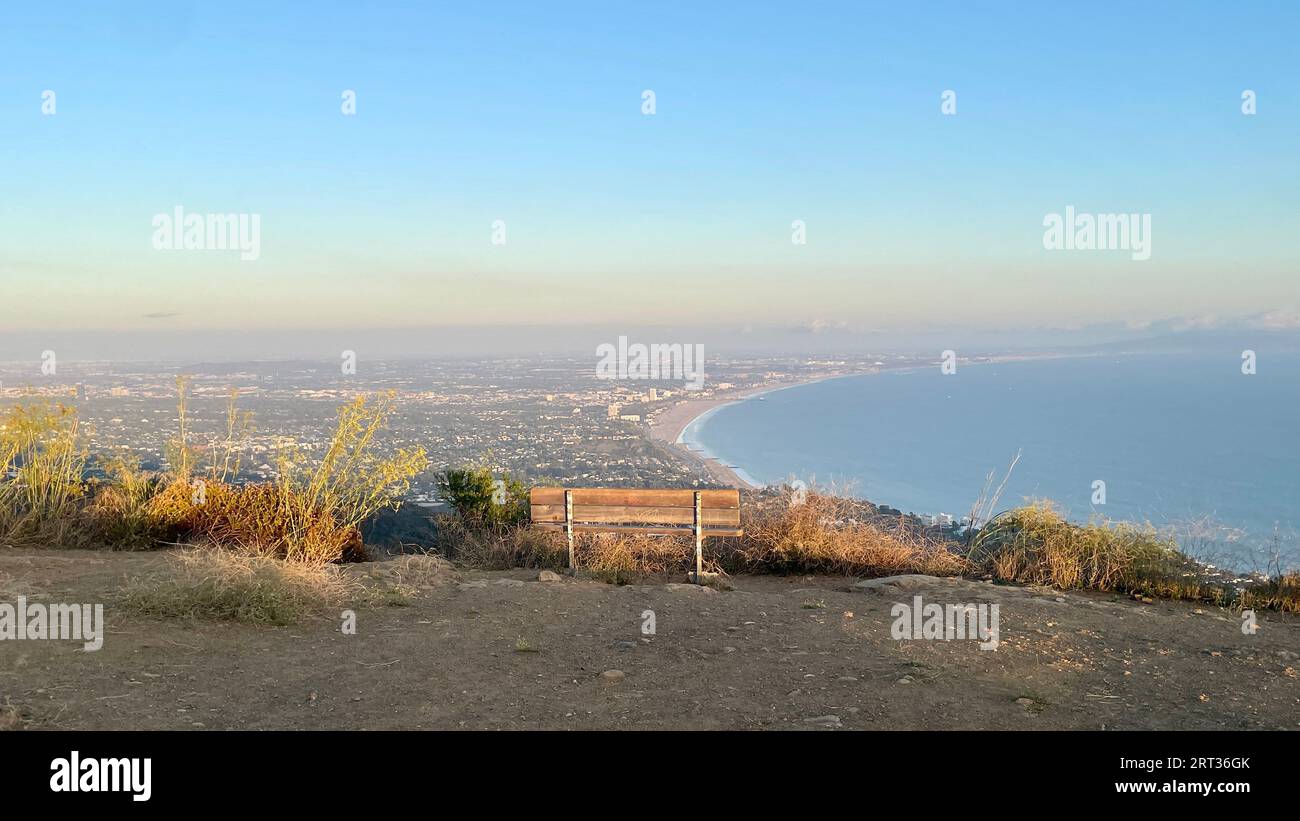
313	513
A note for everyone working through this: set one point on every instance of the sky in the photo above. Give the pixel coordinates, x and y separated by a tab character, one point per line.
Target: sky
529	116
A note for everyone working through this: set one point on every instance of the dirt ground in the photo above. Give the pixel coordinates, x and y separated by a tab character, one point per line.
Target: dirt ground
502	650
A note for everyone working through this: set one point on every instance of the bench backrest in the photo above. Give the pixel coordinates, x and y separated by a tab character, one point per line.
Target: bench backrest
632	507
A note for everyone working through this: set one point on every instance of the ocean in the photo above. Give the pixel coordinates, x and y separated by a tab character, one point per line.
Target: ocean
1186	442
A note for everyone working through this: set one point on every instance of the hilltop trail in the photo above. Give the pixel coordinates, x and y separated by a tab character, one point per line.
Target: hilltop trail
501	650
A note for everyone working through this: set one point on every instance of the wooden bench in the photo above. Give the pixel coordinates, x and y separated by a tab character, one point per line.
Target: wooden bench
590	510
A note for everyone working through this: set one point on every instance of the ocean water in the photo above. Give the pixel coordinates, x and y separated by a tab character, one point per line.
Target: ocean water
1177	439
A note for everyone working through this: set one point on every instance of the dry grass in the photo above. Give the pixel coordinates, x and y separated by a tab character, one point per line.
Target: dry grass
418	570
493	548
814	532
218	585
1036	545
134	509
40	443
321	507
1279	593
312	514
622	557
270	521
10	718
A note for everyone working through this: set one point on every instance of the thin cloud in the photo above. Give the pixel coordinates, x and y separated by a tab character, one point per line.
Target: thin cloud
1278	319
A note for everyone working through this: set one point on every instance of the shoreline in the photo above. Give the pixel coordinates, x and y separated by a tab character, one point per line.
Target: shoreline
671	423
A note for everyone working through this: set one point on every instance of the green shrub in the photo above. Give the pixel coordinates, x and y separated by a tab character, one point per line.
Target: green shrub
482	500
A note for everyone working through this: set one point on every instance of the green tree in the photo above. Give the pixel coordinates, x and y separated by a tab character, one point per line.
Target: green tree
483	500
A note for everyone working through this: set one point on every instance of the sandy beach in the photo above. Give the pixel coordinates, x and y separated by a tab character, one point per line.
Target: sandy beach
669	424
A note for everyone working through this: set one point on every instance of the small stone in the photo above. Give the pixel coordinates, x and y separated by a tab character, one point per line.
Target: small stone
677	587
824	721
905	680
311	696
548	576
847	678
728	649
712	580
625	645
1025	702
892	584
613	675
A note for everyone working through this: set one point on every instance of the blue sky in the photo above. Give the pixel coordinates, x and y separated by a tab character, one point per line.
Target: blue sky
766	113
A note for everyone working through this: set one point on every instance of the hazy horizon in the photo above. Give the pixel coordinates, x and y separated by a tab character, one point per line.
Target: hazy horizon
434	343
796	178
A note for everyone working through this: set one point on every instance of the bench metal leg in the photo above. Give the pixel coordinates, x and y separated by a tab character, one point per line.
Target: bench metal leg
568	523
699	539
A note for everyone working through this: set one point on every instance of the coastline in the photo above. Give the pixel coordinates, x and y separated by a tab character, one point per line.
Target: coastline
670	424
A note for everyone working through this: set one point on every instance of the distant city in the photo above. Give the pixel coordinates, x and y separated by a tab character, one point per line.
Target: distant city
546	420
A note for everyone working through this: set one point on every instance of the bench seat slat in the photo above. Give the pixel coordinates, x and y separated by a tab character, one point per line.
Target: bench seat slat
633	497
652	529
624	514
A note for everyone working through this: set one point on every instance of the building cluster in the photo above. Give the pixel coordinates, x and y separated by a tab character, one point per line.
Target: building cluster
543	420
